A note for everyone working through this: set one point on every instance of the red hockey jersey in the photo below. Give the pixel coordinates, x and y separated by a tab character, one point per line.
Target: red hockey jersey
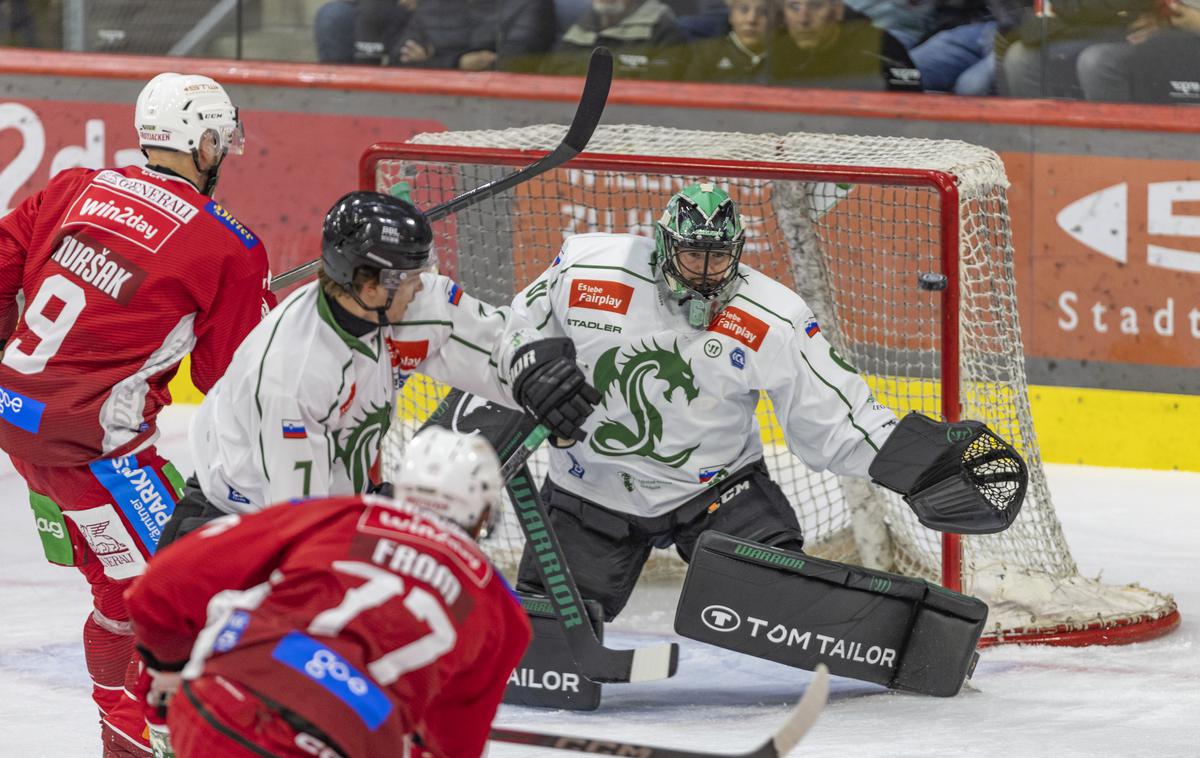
124	272
369	619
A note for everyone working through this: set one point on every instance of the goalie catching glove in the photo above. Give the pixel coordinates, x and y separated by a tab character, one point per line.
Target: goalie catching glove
549	385
958	477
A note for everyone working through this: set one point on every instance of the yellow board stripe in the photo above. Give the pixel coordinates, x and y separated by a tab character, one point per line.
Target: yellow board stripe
1096	427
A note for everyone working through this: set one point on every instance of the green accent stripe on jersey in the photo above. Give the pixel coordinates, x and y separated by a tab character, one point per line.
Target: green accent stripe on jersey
258	383
352	342
609	268
849	407
545	321
338	395
425	323
765	308
473	346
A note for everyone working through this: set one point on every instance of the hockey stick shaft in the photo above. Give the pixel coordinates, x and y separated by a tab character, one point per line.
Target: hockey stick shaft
587	116
799	721
596	662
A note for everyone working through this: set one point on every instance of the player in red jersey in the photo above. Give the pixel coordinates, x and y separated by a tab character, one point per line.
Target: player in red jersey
350	627
124	271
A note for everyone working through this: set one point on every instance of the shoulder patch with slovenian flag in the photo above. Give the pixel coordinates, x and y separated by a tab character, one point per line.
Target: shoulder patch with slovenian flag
811	327
293	429
456	294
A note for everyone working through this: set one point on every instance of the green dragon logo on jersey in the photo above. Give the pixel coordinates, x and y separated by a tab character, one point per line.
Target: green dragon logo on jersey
361	445
634	379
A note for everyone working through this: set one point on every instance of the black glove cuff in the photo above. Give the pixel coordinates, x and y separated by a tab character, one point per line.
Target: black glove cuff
154	663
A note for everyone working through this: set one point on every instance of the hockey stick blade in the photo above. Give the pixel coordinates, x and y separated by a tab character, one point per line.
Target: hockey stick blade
786	737
596	662
583	125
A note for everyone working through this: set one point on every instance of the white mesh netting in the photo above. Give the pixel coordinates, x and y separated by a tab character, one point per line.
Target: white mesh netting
843	221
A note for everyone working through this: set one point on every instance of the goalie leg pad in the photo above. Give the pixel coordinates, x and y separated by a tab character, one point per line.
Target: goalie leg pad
798	610
547	676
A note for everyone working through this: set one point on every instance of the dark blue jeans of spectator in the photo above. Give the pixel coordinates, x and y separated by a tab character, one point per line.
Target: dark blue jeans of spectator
358	32
959	60
334	30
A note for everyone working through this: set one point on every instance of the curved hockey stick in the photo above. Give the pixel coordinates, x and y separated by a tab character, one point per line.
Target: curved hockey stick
786	737
587	116
596	662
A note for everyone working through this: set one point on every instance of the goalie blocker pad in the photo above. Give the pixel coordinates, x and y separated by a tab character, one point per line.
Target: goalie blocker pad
547	676
958	477
797	610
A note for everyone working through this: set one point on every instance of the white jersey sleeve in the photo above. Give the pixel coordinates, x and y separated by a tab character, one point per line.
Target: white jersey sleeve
471	343
829	417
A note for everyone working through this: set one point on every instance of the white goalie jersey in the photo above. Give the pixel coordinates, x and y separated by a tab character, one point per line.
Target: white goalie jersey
678	408
304	405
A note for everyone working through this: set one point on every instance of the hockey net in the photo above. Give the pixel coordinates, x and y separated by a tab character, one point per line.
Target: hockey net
852	224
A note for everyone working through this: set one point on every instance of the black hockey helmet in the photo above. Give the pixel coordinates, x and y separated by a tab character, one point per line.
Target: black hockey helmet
376	230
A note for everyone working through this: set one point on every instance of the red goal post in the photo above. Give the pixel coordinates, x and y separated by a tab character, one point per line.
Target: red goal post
851	223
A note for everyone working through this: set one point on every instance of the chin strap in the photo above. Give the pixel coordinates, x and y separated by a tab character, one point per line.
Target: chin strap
211	176
380	312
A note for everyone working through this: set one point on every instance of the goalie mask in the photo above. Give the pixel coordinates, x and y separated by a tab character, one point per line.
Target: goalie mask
456	476
378	232
698	243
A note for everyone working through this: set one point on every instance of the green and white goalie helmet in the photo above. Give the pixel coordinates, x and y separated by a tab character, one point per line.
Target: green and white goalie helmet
698	243
174	111
454	475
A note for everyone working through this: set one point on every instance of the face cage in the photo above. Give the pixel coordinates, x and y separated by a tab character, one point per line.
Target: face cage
678	272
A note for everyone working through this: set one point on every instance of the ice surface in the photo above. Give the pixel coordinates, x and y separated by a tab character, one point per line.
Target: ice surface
1138	700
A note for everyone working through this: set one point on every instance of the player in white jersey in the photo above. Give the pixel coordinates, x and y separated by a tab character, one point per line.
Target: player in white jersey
681	338
309	395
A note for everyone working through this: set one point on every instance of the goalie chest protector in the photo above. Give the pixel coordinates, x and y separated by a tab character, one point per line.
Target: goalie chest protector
794	609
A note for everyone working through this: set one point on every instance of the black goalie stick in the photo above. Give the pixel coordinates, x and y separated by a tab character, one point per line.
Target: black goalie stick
587	115
596	662
786	737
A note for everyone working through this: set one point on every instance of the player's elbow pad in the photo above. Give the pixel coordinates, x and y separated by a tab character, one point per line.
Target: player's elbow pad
958	477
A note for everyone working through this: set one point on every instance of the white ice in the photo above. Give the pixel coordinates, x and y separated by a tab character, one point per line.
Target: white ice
1135	700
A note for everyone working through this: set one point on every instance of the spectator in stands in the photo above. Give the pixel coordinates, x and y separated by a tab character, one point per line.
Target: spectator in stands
824	45
1054	55
644	36
476	35
18	22
1165	67
741	54
961	57
909	21
360	31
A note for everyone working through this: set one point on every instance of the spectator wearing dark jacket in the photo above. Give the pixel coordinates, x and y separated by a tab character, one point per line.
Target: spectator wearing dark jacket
644	36
961	56
822	44
740	55
475	35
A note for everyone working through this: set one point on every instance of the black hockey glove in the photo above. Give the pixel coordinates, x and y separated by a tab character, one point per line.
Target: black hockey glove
191	512
958	477
550	386
383	489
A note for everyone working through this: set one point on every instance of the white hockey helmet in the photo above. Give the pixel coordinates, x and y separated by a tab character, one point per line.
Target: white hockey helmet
175	110
456	476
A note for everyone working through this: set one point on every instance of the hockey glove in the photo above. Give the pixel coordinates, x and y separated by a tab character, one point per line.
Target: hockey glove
550	386
383	489
193	511
958	477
